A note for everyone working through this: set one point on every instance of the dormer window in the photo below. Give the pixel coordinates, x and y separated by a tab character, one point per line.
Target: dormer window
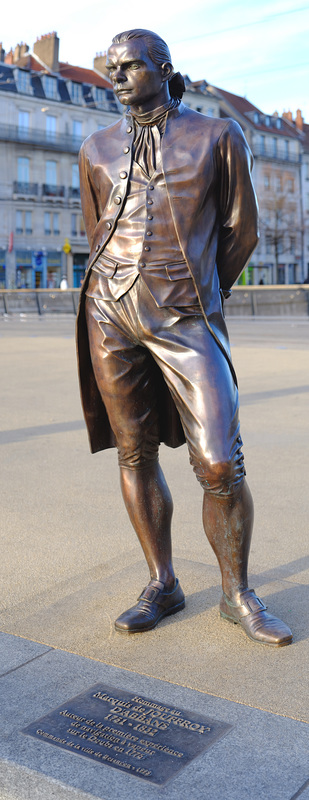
278	123
50	86
23	81
256	118
76	92
99	96
267	121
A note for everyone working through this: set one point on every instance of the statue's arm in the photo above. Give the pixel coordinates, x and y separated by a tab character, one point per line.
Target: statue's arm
88	195
238	206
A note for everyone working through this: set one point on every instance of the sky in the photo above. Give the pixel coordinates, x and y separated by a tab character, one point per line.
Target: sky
259	50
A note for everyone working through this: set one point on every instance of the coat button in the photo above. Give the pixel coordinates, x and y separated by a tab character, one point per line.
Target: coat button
129	129
149	216
108	225
151	188
148	233
123	174
126	149
150	202
142	264
117	200
97	248
147	248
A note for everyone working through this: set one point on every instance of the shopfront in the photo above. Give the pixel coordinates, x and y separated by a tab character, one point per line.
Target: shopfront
80	261
24	269
53	269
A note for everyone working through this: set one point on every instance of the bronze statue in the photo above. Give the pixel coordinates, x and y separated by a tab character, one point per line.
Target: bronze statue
171	219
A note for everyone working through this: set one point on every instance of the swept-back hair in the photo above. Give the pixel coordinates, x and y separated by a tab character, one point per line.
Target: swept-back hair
159	53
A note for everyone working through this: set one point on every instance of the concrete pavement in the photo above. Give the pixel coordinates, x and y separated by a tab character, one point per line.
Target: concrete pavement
71	564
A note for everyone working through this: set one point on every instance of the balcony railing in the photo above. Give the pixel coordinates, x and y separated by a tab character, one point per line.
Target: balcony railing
52	190
24	188
74	191
279	155
43	139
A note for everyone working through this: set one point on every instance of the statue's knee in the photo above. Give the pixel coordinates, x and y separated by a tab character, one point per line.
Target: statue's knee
221	477
135	452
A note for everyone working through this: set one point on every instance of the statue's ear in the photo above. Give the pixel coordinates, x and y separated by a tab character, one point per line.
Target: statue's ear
166	70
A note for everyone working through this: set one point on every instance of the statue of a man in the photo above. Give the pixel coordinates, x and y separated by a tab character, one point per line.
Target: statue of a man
171	219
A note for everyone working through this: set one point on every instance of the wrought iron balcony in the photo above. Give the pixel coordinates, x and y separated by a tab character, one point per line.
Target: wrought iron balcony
74	192
41	138
52	190
24	188
280	155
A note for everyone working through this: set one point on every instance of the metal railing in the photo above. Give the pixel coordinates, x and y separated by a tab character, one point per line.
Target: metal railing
279	155
24	188
52	190
44	139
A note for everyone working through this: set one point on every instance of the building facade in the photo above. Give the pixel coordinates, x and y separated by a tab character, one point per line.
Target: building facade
47	109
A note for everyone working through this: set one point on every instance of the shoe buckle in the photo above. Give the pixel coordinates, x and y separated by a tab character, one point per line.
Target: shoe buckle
255	604
149	593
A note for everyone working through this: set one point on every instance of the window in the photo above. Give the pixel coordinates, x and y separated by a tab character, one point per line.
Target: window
47	223
256	118
274	146
56	224
268	243
28	222
23	169
23	81
210	112
279	183
287	148
292	244
278	123
266	181
262	143
50	86
51	173
99	95
23	121
19	222
51	124
75	176
74	224
77	129
290	185
76	92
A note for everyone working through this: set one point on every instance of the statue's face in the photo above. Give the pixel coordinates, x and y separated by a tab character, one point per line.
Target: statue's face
136	79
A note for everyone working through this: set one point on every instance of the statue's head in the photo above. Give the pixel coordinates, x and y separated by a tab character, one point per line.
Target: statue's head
140	67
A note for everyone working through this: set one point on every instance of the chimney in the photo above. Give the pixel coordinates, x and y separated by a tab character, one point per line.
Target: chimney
288	115
99	63
47	49
299	121
19	51
8	59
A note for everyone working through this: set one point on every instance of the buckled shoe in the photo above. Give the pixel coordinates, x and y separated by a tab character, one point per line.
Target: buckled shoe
153	604
251	614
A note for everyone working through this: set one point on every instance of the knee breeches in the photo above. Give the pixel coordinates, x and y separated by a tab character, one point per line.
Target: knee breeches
129	339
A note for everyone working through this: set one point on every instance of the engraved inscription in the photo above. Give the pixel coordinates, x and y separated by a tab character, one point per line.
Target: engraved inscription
129	732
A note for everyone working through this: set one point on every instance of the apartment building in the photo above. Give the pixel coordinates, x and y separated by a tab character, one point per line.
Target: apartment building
47	109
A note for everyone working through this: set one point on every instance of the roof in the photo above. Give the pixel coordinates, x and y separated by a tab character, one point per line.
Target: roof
82	75
248	110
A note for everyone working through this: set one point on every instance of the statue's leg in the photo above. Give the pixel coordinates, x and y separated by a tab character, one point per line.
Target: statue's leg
127	379
202	385
228	523
149	505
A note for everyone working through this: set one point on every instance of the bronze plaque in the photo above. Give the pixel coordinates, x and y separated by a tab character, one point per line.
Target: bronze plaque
140	736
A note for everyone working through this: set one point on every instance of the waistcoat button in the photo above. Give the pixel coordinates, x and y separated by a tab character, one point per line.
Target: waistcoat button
97	248
148	233
126	149
129	129
123	174
108	225
117	200
147	248
151	188
149	216
150	202
142	264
